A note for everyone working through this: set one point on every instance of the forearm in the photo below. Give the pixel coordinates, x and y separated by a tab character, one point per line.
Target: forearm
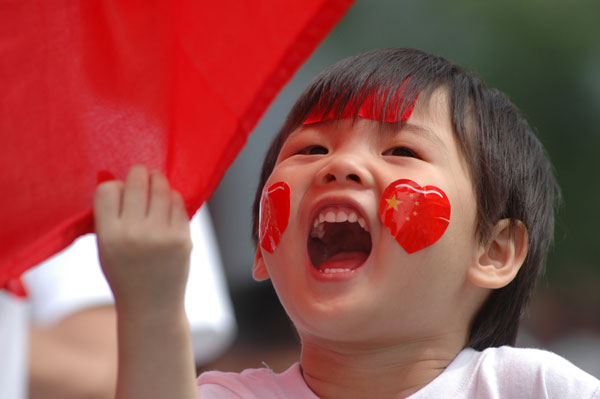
75	358
144	246
58	370
155	355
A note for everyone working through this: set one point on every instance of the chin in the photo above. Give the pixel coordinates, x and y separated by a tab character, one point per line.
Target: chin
338	317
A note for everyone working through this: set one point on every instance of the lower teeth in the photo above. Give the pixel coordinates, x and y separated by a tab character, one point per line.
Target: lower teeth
334	270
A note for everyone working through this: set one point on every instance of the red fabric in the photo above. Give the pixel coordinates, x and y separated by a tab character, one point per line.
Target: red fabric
91	87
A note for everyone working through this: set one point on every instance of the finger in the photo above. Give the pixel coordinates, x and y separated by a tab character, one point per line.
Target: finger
135	195
158	208
107	203
178	212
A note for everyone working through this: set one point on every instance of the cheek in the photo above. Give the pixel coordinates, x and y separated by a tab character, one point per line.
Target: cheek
415	216
274	215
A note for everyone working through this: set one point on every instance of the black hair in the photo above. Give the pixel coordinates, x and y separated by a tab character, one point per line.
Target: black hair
510	171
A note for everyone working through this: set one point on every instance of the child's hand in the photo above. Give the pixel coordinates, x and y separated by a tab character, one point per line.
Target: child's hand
143	241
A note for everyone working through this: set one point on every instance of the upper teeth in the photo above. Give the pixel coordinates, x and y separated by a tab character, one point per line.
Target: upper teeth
335	215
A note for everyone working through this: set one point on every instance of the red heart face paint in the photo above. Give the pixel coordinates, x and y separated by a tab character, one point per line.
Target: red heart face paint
416	216
274	215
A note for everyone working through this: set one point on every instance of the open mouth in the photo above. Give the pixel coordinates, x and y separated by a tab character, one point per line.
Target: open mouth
339	240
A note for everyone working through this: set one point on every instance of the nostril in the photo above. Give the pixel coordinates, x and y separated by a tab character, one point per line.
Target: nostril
353	177
329	178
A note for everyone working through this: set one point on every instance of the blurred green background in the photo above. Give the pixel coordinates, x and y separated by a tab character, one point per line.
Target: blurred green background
545	55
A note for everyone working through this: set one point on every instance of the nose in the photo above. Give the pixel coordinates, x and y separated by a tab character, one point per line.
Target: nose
345	169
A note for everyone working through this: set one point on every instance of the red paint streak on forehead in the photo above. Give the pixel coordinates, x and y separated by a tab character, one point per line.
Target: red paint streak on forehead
371	108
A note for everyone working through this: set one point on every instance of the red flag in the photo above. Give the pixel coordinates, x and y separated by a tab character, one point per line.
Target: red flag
91	87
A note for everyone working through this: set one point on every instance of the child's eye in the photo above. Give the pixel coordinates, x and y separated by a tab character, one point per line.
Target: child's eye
401	152
313	150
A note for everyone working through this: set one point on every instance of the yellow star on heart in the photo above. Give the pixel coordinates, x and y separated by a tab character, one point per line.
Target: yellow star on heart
393	203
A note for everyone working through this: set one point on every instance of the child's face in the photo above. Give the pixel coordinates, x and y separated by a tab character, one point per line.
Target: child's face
391	294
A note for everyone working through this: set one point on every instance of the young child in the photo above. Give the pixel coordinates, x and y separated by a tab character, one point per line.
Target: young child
405	213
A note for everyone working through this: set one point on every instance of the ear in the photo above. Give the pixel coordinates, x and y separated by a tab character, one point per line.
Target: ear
500	259
259	270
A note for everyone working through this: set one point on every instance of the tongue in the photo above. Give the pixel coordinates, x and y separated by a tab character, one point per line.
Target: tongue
344	260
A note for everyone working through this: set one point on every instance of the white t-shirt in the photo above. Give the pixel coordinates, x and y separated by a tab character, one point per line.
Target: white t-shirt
494	373
14	328
72	281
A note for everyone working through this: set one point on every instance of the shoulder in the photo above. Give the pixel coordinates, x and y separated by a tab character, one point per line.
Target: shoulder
508	372
261	383
534	373
528	361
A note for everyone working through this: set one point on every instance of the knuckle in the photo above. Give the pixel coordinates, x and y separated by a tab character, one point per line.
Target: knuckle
180	241
159	180
134	234
106	189
176	197
158	194
135	185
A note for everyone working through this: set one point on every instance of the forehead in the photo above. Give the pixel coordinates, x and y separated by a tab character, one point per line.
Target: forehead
430	122
432	113
429	116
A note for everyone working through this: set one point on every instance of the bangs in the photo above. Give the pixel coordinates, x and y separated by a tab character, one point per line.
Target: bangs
382	104
379	85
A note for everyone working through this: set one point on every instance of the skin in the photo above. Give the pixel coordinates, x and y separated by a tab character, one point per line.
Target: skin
385	330
351	345
144	244
76	357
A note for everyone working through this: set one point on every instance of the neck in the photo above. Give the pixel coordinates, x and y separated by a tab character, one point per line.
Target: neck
383	371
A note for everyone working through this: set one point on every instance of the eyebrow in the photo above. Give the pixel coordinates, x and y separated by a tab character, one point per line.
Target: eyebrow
422	130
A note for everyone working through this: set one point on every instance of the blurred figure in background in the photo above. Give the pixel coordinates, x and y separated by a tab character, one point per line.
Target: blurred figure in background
71	321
